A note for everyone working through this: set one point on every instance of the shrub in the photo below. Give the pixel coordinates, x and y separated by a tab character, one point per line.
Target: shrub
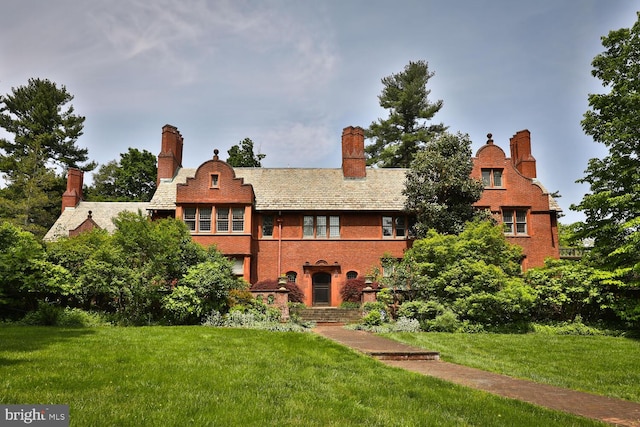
350	305
240	297
76	318
182	306
242	317
401	325
46	315
568	328
373	318
351	291
404	324
445	322
54	315
212	280
420	310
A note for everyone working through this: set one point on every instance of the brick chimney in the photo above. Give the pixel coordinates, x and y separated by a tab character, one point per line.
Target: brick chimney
353	161
73	195
521	153
170	157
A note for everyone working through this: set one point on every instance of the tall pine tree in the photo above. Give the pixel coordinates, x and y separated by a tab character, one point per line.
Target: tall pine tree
45	130
397	139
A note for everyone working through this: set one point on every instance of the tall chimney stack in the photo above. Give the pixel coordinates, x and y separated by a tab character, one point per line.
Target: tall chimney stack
354	163
521	153
73	195
170	157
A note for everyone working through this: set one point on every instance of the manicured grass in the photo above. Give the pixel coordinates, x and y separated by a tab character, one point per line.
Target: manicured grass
598	364
175	376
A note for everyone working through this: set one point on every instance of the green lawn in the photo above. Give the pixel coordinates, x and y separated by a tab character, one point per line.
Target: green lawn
598	364
176	376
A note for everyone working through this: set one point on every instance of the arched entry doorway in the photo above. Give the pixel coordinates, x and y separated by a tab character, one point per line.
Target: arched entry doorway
321	288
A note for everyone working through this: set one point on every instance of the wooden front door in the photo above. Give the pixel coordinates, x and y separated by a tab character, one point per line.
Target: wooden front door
321	289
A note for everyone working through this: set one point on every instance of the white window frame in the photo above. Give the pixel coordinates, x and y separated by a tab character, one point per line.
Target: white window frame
321	227
515	221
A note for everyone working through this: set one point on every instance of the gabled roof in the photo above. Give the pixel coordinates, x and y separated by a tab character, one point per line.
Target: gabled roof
102	214
306	189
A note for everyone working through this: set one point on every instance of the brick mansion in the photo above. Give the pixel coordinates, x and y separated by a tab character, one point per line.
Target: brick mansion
318	226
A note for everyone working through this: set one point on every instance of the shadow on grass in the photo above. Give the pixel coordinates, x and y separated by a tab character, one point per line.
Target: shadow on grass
26	339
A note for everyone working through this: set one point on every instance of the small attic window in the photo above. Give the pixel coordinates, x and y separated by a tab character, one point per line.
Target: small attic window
215	180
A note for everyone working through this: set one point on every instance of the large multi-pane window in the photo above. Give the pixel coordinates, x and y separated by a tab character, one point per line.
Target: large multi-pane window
492	177
514	221
200	220
394	226
321	226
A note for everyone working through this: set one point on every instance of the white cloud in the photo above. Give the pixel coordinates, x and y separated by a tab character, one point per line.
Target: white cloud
300	145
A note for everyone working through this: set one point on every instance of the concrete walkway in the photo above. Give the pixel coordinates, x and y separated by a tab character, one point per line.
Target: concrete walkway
613	411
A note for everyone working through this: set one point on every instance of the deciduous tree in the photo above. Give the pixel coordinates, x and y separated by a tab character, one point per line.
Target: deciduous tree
132	179
241	155
612	207
439	190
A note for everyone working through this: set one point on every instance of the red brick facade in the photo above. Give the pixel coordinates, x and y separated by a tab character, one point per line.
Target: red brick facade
518	193
274	242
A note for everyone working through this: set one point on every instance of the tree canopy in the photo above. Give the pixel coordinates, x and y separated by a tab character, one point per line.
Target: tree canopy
438	186
45	130
133	178
241	155
399	137
612	207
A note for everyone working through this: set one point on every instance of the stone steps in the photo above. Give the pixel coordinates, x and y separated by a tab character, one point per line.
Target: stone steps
330	315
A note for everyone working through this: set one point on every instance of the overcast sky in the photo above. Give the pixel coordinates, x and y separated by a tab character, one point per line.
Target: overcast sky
291	75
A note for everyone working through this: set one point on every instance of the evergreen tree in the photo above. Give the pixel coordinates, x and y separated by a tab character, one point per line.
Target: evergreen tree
398	138
44	146
242	155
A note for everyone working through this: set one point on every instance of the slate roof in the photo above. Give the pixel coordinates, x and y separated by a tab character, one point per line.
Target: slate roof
165	196
101	212
325	189
313	189
306	189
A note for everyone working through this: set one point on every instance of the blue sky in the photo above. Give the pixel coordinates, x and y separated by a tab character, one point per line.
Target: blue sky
291	75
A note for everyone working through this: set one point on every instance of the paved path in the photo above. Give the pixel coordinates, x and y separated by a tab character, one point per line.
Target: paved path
613	411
